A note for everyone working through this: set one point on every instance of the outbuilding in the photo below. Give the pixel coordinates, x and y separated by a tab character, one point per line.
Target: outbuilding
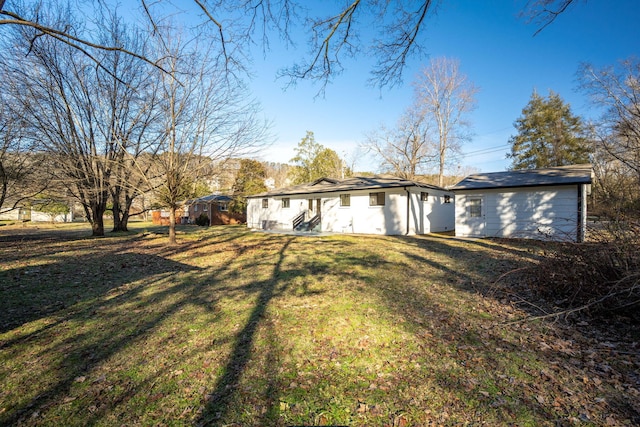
360	205
541	204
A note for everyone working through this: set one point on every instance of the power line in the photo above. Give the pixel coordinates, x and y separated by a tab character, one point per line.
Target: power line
487	150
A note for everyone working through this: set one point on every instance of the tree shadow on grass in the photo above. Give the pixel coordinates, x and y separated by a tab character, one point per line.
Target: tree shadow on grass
32	292
72	296
227	385
517	369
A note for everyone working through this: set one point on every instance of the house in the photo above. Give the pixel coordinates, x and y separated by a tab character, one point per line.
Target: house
215	207
362	205
542	204
37	211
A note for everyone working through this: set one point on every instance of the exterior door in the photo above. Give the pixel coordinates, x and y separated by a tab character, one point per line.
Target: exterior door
476	215
314	208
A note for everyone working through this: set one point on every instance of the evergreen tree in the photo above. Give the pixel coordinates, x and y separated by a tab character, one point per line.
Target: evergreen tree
549	134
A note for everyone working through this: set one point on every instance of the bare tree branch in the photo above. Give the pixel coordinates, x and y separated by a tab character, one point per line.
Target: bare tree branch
545	12
65	36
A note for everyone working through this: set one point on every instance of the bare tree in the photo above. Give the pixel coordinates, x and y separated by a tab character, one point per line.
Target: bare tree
205	118
445	96
127	116
406	150
23	172
56	92
433	128
88	120
616	89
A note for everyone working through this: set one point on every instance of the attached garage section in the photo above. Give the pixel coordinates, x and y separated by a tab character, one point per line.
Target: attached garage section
546	204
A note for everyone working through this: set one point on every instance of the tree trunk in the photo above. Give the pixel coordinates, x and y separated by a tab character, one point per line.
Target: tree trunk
121	213
4	181
97	219
441	168
124	218
172	226
117	224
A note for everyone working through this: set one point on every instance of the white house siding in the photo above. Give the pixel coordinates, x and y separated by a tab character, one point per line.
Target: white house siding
275	216
432	215
34	216
531	212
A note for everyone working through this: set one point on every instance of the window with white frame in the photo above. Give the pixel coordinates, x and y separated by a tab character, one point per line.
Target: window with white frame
265	203
345	200
424	196
223	206
286	202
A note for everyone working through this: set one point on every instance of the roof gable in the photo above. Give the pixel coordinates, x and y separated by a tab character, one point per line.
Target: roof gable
561	175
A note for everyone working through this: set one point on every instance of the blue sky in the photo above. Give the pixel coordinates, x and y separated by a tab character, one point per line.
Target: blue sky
498	52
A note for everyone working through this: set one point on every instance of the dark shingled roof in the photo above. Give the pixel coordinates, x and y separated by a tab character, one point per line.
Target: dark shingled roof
211	198
561	175
330	185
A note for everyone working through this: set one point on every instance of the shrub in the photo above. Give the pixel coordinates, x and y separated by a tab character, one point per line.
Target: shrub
602	275
202	220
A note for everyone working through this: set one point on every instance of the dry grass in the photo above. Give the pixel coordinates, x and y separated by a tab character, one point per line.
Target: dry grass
239	328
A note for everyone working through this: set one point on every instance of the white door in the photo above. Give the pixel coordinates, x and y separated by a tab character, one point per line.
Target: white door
476	215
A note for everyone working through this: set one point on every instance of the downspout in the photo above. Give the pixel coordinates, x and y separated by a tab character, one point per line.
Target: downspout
408	209
580	231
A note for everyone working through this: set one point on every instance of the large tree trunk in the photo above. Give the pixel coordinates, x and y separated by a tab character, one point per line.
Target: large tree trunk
97	219
172	226
124	214
3	184
117	222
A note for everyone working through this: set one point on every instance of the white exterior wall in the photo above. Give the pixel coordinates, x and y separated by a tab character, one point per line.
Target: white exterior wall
433	215
36	216
538	212
360	218
274	216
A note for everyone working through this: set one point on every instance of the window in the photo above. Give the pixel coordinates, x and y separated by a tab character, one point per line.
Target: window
345	200
223	207
424	196
475	208
311	204
286	202
376	199
447	199
195	209
265	203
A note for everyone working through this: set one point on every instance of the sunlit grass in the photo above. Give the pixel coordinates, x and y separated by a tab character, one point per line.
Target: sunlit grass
239	328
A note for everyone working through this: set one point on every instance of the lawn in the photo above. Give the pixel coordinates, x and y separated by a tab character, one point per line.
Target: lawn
238	328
